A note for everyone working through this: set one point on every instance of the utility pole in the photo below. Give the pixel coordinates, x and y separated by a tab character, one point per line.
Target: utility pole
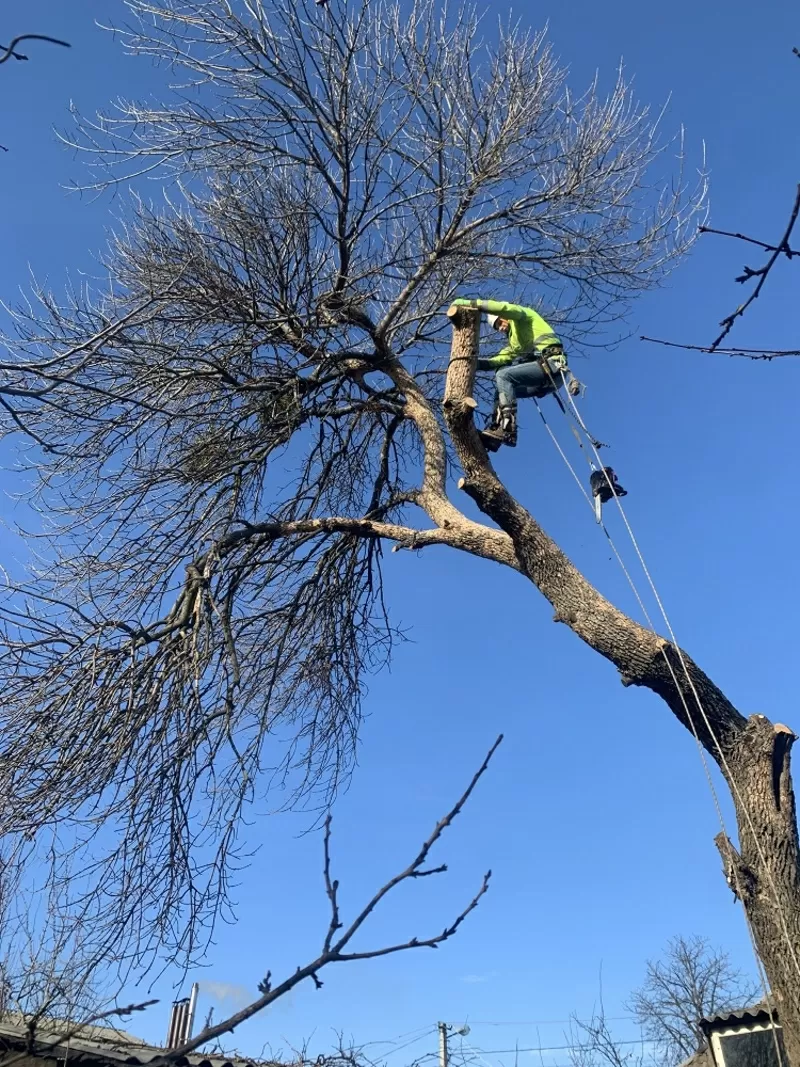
442	1044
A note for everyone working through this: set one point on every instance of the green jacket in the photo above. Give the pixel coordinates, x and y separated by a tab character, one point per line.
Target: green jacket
528	333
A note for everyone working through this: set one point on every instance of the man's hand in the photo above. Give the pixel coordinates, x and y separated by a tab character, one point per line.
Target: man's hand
461	304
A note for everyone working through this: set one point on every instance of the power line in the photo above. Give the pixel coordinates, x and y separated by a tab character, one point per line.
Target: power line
558	1048
541	1022
398	1048
414	1035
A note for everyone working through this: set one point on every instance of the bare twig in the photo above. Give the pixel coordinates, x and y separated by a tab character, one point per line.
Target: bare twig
10	50
331	888
416	868
761	273
592	1044
332	953
749	240
745	353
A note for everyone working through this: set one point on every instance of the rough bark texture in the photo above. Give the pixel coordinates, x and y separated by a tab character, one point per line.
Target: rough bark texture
752	753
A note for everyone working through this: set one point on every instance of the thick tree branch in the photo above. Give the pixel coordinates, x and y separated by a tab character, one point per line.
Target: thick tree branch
639	654
405	536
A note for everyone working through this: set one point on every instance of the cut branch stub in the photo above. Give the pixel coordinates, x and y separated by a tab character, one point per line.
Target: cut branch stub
460	381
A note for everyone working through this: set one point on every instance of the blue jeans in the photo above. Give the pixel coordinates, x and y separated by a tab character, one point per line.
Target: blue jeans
522	380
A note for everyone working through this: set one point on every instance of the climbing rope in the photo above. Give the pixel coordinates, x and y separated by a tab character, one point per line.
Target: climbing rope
679	688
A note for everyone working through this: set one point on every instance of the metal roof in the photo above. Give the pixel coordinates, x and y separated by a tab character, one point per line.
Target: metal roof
699	1059
93	1043
754	1013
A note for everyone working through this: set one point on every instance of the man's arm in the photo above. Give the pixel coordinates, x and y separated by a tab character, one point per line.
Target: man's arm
495	307
504	310
502	359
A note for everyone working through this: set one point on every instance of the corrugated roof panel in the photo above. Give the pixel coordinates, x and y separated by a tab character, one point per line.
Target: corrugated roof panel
100	1043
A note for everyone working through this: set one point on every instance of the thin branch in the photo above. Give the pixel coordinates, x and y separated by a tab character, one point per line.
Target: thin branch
750	240
331	888
431	942
333	954
762	273
745	353
413	869
10	49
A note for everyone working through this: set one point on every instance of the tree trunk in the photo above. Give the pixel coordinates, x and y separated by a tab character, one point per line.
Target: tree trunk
765	872
752	753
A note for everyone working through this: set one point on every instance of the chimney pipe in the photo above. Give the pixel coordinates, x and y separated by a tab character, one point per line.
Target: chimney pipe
181	1020
191	1010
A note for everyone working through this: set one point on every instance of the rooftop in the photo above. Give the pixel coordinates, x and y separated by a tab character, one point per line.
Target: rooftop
752	1014
94	1045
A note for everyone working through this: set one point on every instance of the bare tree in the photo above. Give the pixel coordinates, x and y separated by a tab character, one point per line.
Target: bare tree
225	435
51	982
593	1044
692	981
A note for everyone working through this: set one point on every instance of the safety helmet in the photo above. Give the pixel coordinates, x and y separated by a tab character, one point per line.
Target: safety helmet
492	319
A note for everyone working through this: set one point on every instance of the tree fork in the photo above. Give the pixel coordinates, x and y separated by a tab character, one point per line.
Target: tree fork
752	753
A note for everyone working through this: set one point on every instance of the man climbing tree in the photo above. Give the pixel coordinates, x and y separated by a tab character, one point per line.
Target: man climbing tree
226	433
532	364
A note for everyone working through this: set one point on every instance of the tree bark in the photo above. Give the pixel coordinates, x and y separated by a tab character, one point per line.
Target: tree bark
752	753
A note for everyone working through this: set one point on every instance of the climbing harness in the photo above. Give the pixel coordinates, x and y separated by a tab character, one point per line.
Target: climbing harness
551	355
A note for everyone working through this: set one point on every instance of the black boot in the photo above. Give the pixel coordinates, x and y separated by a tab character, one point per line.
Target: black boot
502	430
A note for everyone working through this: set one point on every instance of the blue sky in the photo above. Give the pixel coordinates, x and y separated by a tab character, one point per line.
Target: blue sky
596	817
